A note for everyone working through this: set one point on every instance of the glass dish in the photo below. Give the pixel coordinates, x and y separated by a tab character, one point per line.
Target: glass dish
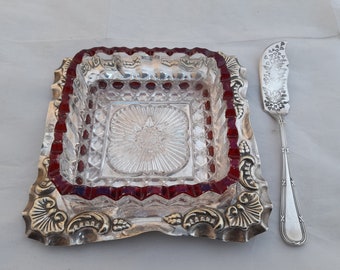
140	140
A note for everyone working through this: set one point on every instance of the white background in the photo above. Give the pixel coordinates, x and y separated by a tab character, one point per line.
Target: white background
36	35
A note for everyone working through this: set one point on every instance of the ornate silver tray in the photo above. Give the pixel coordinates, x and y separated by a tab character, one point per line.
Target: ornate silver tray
140	140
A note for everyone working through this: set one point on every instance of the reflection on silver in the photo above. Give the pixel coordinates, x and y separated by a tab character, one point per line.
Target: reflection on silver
274	75
236	214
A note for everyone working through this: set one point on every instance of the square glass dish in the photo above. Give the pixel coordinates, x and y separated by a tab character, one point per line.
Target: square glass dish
141	140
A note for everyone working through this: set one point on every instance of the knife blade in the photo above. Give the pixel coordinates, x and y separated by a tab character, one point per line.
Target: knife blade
273	70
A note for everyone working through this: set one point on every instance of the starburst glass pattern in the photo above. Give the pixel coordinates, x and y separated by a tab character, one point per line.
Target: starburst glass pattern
149	140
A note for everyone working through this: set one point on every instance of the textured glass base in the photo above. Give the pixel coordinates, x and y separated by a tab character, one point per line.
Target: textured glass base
150	140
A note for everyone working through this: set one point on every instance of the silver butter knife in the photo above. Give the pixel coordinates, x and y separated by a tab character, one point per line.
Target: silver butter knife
273	76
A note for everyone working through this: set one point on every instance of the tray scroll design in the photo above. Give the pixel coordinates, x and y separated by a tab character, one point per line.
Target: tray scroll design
49	221
44	220
243	214
249	210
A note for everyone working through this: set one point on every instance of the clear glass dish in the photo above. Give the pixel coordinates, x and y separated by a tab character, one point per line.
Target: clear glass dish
140	140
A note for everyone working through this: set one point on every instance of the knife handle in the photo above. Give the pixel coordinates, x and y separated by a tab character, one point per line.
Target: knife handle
292	227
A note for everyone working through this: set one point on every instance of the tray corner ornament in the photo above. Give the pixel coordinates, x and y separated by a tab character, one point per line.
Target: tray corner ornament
95	203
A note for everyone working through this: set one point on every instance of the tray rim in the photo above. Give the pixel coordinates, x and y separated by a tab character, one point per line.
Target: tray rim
245	217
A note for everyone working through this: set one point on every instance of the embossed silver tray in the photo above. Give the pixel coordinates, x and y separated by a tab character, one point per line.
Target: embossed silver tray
140	140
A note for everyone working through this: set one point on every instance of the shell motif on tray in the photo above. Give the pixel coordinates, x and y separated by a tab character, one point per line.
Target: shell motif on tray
140	140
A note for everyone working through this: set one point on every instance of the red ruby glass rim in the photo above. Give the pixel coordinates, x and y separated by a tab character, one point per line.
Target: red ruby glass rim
167	192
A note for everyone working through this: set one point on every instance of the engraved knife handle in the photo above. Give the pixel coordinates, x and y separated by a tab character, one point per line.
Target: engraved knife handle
292	227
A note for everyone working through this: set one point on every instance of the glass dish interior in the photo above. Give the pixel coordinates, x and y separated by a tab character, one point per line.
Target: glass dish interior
141	120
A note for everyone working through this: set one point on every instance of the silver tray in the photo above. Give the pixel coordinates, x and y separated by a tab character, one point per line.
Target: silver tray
140	140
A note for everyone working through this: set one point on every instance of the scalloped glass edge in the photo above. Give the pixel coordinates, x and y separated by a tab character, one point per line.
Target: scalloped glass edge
238	213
